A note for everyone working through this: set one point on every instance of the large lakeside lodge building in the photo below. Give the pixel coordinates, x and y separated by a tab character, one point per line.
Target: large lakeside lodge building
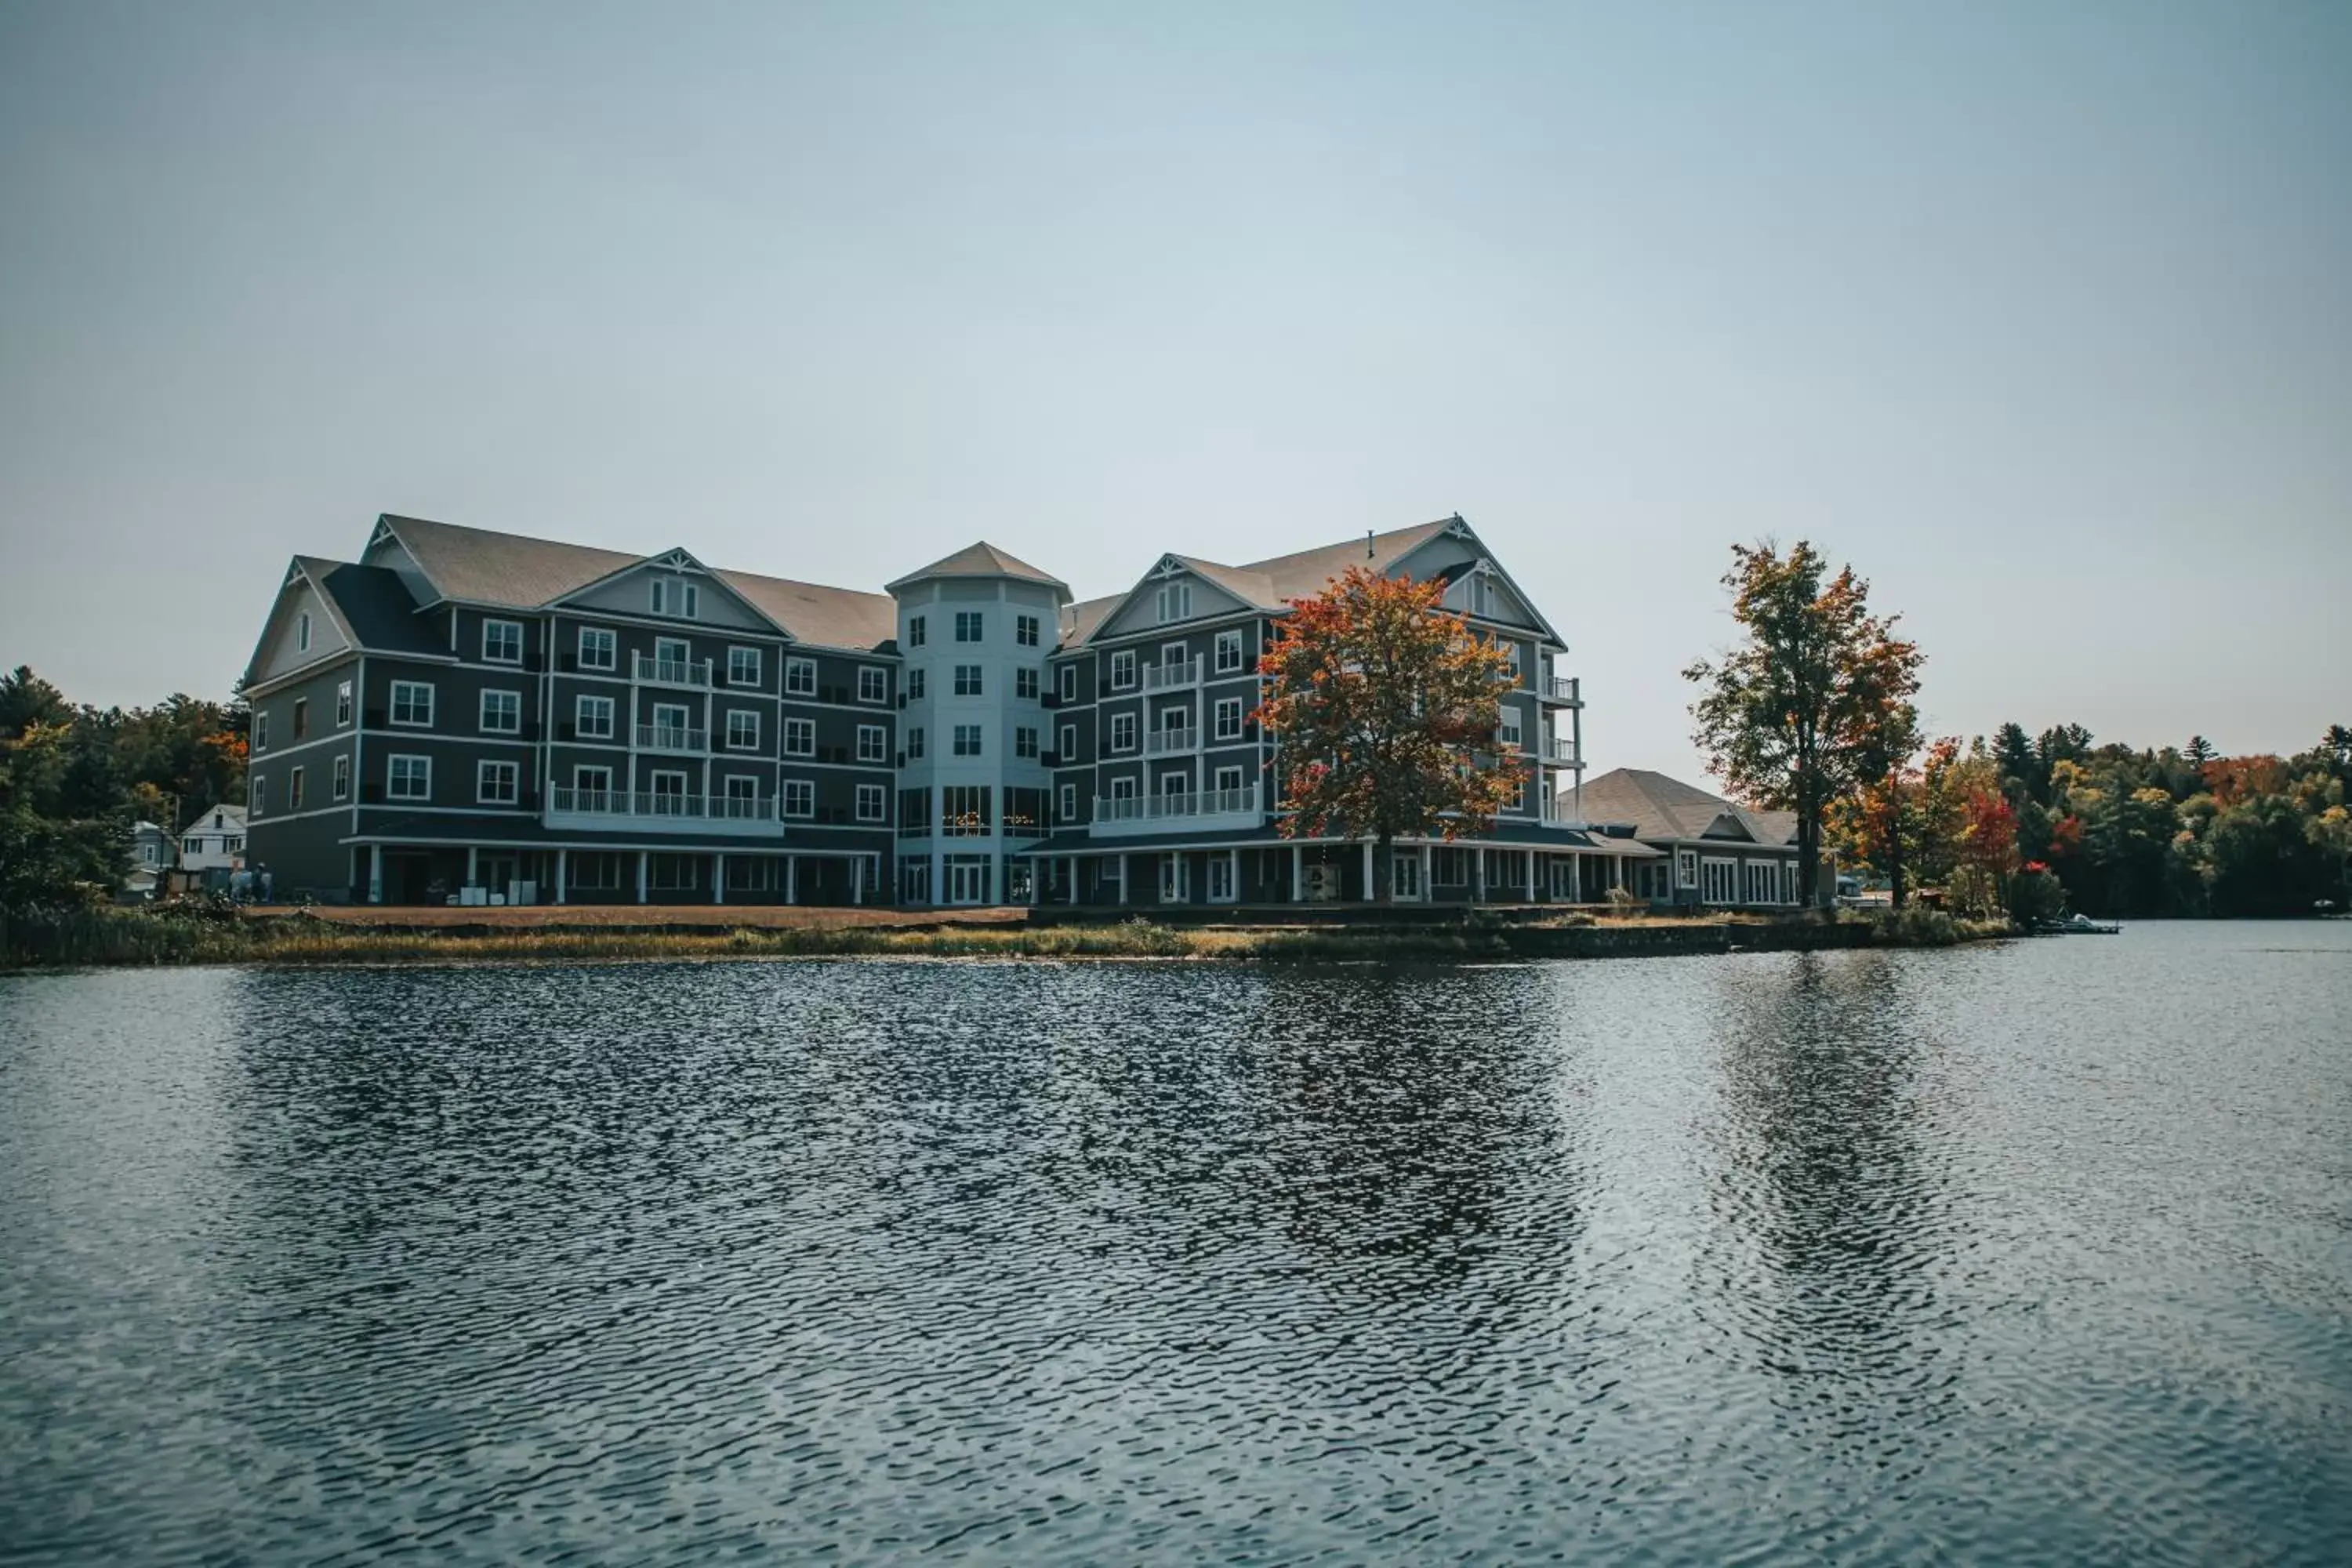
470	717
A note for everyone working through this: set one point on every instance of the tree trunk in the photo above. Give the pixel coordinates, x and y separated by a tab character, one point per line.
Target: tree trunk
1383	869
1809	855
1895	849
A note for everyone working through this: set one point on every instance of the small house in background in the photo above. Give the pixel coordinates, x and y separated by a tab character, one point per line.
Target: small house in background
1718	855
154	854
213	844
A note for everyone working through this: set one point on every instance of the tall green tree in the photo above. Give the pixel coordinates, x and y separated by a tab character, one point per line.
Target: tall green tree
1812	703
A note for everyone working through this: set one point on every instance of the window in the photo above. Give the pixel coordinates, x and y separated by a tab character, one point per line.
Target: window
1068	750
915	633
1229	780
676	596
1229	717
261	730
344	706
674	873
966	625
1123	669
914	744
1220	878
742	797
595	720
742	729
1175	880
967	740
1122	732
914	686
967	680
1122	789
873	742
1229	651
1687	867
1024	630
1511	654
597	647
1507	733
501	712
800	678
1024	808
800	798
502	642
1175	601
302	632
873	683
742	667
1175	663
799	737
1024	684
594	783
301	717
965	811
871	806
257	792
497	784
294	790
1066	682
1024	743
342	778
1066	805
411	778
412	704
673	660
595	871
1717	883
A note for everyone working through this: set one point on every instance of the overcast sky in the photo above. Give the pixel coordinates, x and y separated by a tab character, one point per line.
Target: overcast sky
2042	315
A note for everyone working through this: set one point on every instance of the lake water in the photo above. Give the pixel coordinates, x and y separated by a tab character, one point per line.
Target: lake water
2035	1253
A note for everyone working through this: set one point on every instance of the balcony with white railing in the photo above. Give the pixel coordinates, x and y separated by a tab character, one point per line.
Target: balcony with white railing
1561	753
1170	743
1560	688
1187	811
1171	677
661	811
693	672
673	738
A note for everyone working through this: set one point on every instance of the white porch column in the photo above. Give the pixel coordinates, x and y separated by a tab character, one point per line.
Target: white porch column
641	876
1428	893
1297	873
858	878
1478	874
719	876
473	866
1369	894
376	874
1072	861
1575	879
792	879
562	866
1531	875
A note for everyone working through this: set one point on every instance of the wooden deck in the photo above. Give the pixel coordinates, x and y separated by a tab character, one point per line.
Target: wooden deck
724	917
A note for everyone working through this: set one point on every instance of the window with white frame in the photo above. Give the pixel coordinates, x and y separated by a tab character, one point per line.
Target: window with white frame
915	743
1229	780
598	647
257	795
1175	601
1687	867
501	712
873	744
916	632
1065	681
1122	789
502	642
1717	883
412	704
1175	877
1122	732
1069	749
742	729
593	782
408	778
800	797
914	685
676	596
497	784
592	719
1066	803
1025	685
742	666
800	678
294	790
1229	719
1229	652
1024	743
872	806
342	778
343	705
302	632
1221	877
1123	669
966	625
1756	878
967	680
873	683
1024	630
967	740
261	729
799	737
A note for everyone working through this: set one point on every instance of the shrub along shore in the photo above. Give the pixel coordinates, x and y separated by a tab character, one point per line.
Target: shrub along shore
210	935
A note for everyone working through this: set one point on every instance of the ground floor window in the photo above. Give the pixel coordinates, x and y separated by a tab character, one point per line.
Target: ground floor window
1756	878
1175	879
915	879
1716	881
753	874
1687	867
1789	892
1404	873
967	878
674	873
1449	867
1020	883
1220	878
595	871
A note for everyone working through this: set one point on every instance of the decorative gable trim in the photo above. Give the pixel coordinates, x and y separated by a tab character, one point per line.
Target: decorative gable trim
680	561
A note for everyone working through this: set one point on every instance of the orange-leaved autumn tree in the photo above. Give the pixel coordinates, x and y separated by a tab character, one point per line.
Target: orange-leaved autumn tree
1383	707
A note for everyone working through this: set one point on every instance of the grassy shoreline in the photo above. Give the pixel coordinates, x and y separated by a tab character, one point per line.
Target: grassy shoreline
133	938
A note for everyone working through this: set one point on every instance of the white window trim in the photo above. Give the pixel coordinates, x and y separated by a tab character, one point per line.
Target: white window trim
1225	705
391	772
343	705
736	715
879	797
490	624
873	675
806	727
1123	659
612	648
391	707
759	665
881	738
610	713
1232	639
794	669
806	789
485	769
1117	721
302	632
339	780
482	717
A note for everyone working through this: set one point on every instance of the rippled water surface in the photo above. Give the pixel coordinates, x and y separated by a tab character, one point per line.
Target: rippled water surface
2034	1253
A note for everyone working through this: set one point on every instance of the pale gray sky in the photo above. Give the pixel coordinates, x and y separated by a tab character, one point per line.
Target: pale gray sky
2042	315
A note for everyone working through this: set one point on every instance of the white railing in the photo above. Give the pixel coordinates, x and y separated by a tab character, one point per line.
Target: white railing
1167	677
1556	750
1130	814
661	811
1559	688
674	671
1161	743
672	737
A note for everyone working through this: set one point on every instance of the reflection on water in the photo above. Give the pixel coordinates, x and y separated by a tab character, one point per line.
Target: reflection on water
1880	1257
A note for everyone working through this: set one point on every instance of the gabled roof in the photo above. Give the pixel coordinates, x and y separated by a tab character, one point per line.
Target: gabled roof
981	560
375	606
1079	620
489	568
813	613
1308	571
1663	807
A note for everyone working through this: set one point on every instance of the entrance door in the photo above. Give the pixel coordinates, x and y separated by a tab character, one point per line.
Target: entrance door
669	794
967	881
1563	876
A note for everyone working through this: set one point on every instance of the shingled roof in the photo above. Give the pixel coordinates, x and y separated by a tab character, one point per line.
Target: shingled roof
1663	807
502	568
980	560
813	613
1309	571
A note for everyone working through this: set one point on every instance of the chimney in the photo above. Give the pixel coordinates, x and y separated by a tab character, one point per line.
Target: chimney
1368	545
